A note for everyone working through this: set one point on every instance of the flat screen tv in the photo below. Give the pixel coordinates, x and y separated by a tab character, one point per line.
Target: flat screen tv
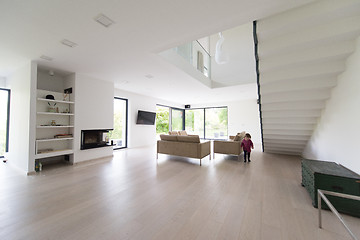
146	118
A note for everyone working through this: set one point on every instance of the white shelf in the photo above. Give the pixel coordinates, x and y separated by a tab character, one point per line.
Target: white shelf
54	139
54	153
52	113
54	126
45	132
55	101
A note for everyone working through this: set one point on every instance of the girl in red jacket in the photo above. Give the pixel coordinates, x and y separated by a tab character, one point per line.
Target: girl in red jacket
247	145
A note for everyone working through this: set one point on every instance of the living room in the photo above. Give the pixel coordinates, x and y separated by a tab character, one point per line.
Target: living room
122	61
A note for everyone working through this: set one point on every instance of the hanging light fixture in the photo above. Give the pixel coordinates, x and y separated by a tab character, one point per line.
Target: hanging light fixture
221	57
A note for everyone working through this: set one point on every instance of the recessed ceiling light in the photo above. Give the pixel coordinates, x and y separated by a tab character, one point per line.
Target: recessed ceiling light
47	58
68	43
104	20
149	76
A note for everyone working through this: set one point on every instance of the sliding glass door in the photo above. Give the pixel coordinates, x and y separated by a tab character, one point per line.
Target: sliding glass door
119	135
216	124
208	123
162	120
177	119
168	119
4	120
194	122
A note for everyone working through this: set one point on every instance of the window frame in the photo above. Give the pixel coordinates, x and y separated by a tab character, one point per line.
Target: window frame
204	108
170	115
7	119
126	122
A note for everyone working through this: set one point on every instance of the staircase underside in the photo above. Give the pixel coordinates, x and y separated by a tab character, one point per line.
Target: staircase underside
301	53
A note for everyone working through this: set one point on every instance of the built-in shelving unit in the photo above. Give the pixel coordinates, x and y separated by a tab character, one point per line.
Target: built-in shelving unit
54	118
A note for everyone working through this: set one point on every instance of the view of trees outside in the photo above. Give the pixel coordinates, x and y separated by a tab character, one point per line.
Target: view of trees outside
216	124
3	120
162	120
194	122
118	135
177	117
215	121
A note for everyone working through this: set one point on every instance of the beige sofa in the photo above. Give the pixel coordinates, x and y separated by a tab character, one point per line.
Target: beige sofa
185	146
232	146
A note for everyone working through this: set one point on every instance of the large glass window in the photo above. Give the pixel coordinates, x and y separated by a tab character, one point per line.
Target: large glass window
162	119
216	124
194	122
208	123
119	135
177	119
4	120
168	119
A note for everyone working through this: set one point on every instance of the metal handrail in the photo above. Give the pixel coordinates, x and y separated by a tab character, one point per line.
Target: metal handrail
321	195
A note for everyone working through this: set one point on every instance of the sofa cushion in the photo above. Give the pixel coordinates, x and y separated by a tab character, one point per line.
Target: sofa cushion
182	133
239	136
168	137
175	133
192	139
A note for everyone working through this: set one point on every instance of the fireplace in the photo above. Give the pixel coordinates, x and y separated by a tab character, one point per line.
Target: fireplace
94	138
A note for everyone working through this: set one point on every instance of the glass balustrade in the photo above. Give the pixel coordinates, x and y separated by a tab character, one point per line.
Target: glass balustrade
195	54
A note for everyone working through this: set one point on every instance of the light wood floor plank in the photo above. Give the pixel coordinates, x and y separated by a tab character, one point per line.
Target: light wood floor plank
131	196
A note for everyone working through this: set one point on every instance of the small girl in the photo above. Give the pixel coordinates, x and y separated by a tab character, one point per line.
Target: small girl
247	145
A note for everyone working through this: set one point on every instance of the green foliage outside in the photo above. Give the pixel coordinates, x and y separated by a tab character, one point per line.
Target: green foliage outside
216	123
162	120
194	122
117	133
189	120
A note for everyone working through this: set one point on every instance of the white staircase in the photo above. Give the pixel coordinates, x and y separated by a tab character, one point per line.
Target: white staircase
301	52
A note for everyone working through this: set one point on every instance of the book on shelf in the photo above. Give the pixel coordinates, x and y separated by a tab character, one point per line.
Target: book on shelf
63	136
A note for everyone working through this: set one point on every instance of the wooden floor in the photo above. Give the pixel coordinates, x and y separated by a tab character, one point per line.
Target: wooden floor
129	196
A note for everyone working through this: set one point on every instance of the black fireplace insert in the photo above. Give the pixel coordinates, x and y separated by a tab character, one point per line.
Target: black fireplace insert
95	138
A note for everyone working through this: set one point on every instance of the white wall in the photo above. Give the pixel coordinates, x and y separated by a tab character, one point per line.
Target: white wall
2	82
21	137
94	109
242	116
52	83
336	137
141	135
239	45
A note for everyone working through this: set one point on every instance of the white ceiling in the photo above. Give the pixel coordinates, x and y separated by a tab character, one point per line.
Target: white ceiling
127	51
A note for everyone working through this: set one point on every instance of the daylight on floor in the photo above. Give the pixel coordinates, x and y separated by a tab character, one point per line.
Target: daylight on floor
179	119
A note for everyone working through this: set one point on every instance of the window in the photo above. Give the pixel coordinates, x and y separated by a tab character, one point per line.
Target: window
208	123
4	120
162	119
119	135
168	119
194	122
177	119
216	123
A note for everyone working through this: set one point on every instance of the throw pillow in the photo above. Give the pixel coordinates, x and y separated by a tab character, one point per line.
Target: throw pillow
182	133
237	138
168	137
191	139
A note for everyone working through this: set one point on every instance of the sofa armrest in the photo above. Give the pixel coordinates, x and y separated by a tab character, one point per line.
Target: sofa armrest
204	149
228	147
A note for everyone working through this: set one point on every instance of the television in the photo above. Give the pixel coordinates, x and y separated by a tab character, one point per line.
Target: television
146	118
